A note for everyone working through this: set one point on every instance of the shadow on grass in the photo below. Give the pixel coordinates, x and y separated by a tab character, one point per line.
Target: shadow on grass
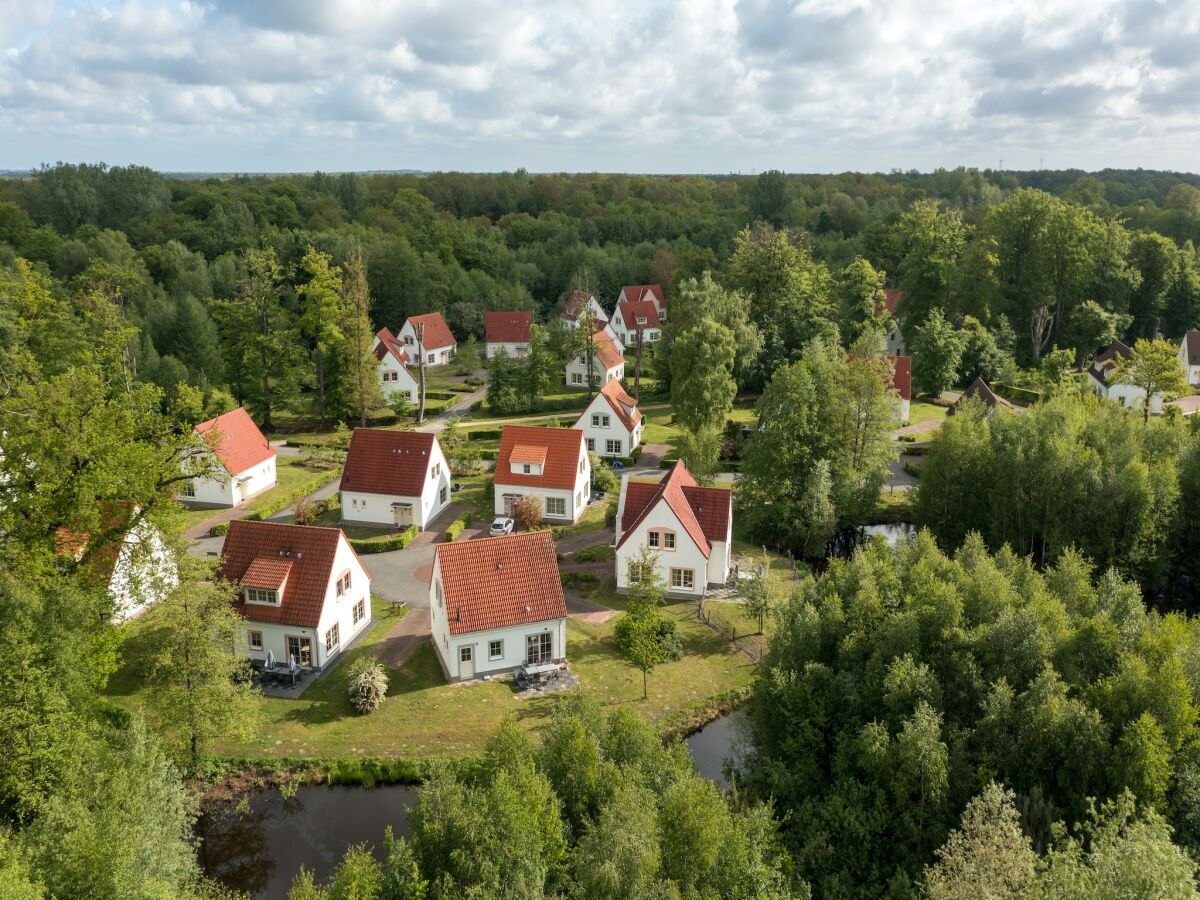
137	650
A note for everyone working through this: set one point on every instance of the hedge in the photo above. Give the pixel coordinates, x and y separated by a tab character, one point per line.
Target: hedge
386	545
912	469
578	578
457	526
1017	394
281	503
483	434
602	553
219	529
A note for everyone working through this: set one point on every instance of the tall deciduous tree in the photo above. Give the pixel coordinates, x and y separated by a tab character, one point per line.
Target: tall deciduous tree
933	239
700	299
323	317
937	353
261	337
702	385
365	390
200	676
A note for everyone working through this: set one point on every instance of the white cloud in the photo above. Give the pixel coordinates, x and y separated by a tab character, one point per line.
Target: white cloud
672	85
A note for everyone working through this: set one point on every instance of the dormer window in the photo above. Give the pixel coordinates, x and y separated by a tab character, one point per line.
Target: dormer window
262	596
526	468
641	320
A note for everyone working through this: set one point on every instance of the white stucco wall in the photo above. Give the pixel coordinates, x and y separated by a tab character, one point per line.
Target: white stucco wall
1126	394
335	609
514	350
376	509
405	381
599	434
233	491
686	554
578	366
144	573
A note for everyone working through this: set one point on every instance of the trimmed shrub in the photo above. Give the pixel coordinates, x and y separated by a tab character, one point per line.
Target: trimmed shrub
399	542
219	529
579	579
458	526
281	503
603	553
368	684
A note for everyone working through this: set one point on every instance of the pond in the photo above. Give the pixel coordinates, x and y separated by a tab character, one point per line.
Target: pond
260	845
844	543
720	739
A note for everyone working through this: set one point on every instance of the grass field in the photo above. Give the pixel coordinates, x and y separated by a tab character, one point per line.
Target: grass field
423	716
290	473
921	411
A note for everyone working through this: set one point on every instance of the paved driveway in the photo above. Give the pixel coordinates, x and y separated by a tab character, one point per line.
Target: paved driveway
402	575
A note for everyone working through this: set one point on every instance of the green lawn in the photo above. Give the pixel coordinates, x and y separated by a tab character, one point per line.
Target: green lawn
424	717
921	411
290	474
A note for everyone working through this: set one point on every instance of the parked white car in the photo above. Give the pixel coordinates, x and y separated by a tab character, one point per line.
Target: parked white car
501	525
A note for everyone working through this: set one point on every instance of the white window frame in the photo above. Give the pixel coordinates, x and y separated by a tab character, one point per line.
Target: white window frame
333	638
613	447
262	596
668	539
495	650
189	488
591	445
556	506
359	612
544	649
250	638
576	378
684	579
653	539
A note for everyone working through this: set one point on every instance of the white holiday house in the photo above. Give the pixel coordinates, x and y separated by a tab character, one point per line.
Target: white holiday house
1101	379
507	331
688	528
439	343
612	423
548	463
302	590
398	478
1189	357
136	567
632	316
497	604
394	376
244	459
892	298
608	363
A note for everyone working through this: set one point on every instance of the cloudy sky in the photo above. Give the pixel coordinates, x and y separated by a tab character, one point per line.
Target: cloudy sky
582	85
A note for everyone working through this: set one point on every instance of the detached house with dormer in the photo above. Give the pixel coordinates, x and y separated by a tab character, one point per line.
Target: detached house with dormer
611	424
394	376
576	308
302	590
439	344
497	604
689	528
608	363
507	331
396	478
548	463
634	316
244	458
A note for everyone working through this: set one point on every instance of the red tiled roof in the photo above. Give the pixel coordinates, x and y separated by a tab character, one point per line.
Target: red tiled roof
437	332
703	512
507	327
638	495
235	440
500	582
606	351
388	344
382	461
1192	341
564	448
267	572
621	404
575	304
632	309
892	298
639	292
902	378
523	453
310	550
981	391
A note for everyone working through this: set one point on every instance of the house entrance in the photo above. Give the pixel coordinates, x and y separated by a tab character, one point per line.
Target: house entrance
510	502
301	648
466	662
403	513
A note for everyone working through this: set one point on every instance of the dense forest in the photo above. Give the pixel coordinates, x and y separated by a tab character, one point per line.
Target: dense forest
1106	254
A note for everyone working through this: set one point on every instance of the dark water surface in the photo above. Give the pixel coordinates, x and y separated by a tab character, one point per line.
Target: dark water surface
717	741
261	848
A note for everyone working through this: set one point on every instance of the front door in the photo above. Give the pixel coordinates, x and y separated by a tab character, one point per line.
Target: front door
301	648
510	502
466	662
403	513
